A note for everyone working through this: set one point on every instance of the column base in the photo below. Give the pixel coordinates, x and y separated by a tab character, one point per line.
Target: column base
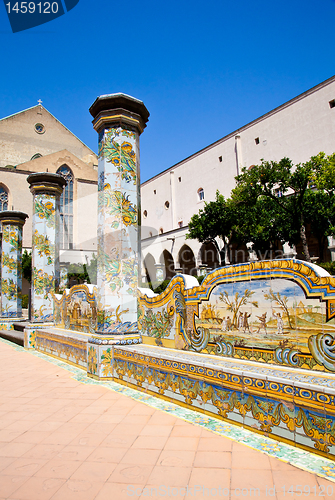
30	333
100	353
8	323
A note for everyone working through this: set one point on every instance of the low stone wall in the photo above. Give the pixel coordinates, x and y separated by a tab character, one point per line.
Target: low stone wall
290	405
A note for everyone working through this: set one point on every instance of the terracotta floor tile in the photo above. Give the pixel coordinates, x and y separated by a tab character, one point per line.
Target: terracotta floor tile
20	425
103	454
88	439
293	477
186	431
77	452
117	441
15	449
5	462
182	443
157	492
8	436
323	482
58	437
135	419
150	442
94	471
127	429
174	458
38	488
246	460
84	417
23	467
214	459
34	437
210	478
219	444
128	473
277	464
9	484
47	426
44	451
120	491
61	469
170	476
161	418
251	478
156	430
136	456
75	489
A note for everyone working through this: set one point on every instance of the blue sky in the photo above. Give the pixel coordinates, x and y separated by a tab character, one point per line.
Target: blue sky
203	69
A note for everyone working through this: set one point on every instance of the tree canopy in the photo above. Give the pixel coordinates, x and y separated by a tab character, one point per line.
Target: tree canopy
273	203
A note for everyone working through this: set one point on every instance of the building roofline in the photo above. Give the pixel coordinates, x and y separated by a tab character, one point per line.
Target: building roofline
40	105
248	125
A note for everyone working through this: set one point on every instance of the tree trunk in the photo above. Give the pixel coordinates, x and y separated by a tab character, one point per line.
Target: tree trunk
304	243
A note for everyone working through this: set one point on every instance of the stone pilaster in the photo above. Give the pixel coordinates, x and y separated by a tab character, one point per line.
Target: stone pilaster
119	121
11	268
46	189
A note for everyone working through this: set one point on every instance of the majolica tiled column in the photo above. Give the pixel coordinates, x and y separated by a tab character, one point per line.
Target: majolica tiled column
46	189
119	121
11	268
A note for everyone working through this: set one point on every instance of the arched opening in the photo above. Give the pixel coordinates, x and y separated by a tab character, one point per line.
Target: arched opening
201	194
3	198
66	209
167	260
149	266
209	255
187	260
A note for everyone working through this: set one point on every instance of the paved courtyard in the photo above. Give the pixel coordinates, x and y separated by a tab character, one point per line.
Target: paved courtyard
61	438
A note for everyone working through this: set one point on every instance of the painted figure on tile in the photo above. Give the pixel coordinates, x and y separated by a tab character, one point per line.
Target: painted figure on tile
280	323
262	323
240	322
224	325
246	322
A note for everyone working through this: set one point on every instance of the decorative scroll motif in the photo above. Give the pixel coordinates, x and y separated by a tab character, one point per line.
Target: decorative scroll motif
199	339
322	347
279	312
119	152
225	348
288	356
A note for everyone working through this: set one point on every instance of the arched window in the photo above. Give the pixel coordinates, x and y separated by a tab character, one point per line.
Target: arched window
37	155
3	199
66	209
201	194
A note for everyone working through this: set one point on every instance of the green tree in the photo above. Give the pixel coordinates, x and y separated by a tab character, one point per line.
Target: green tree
26	265
286	186
214	220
